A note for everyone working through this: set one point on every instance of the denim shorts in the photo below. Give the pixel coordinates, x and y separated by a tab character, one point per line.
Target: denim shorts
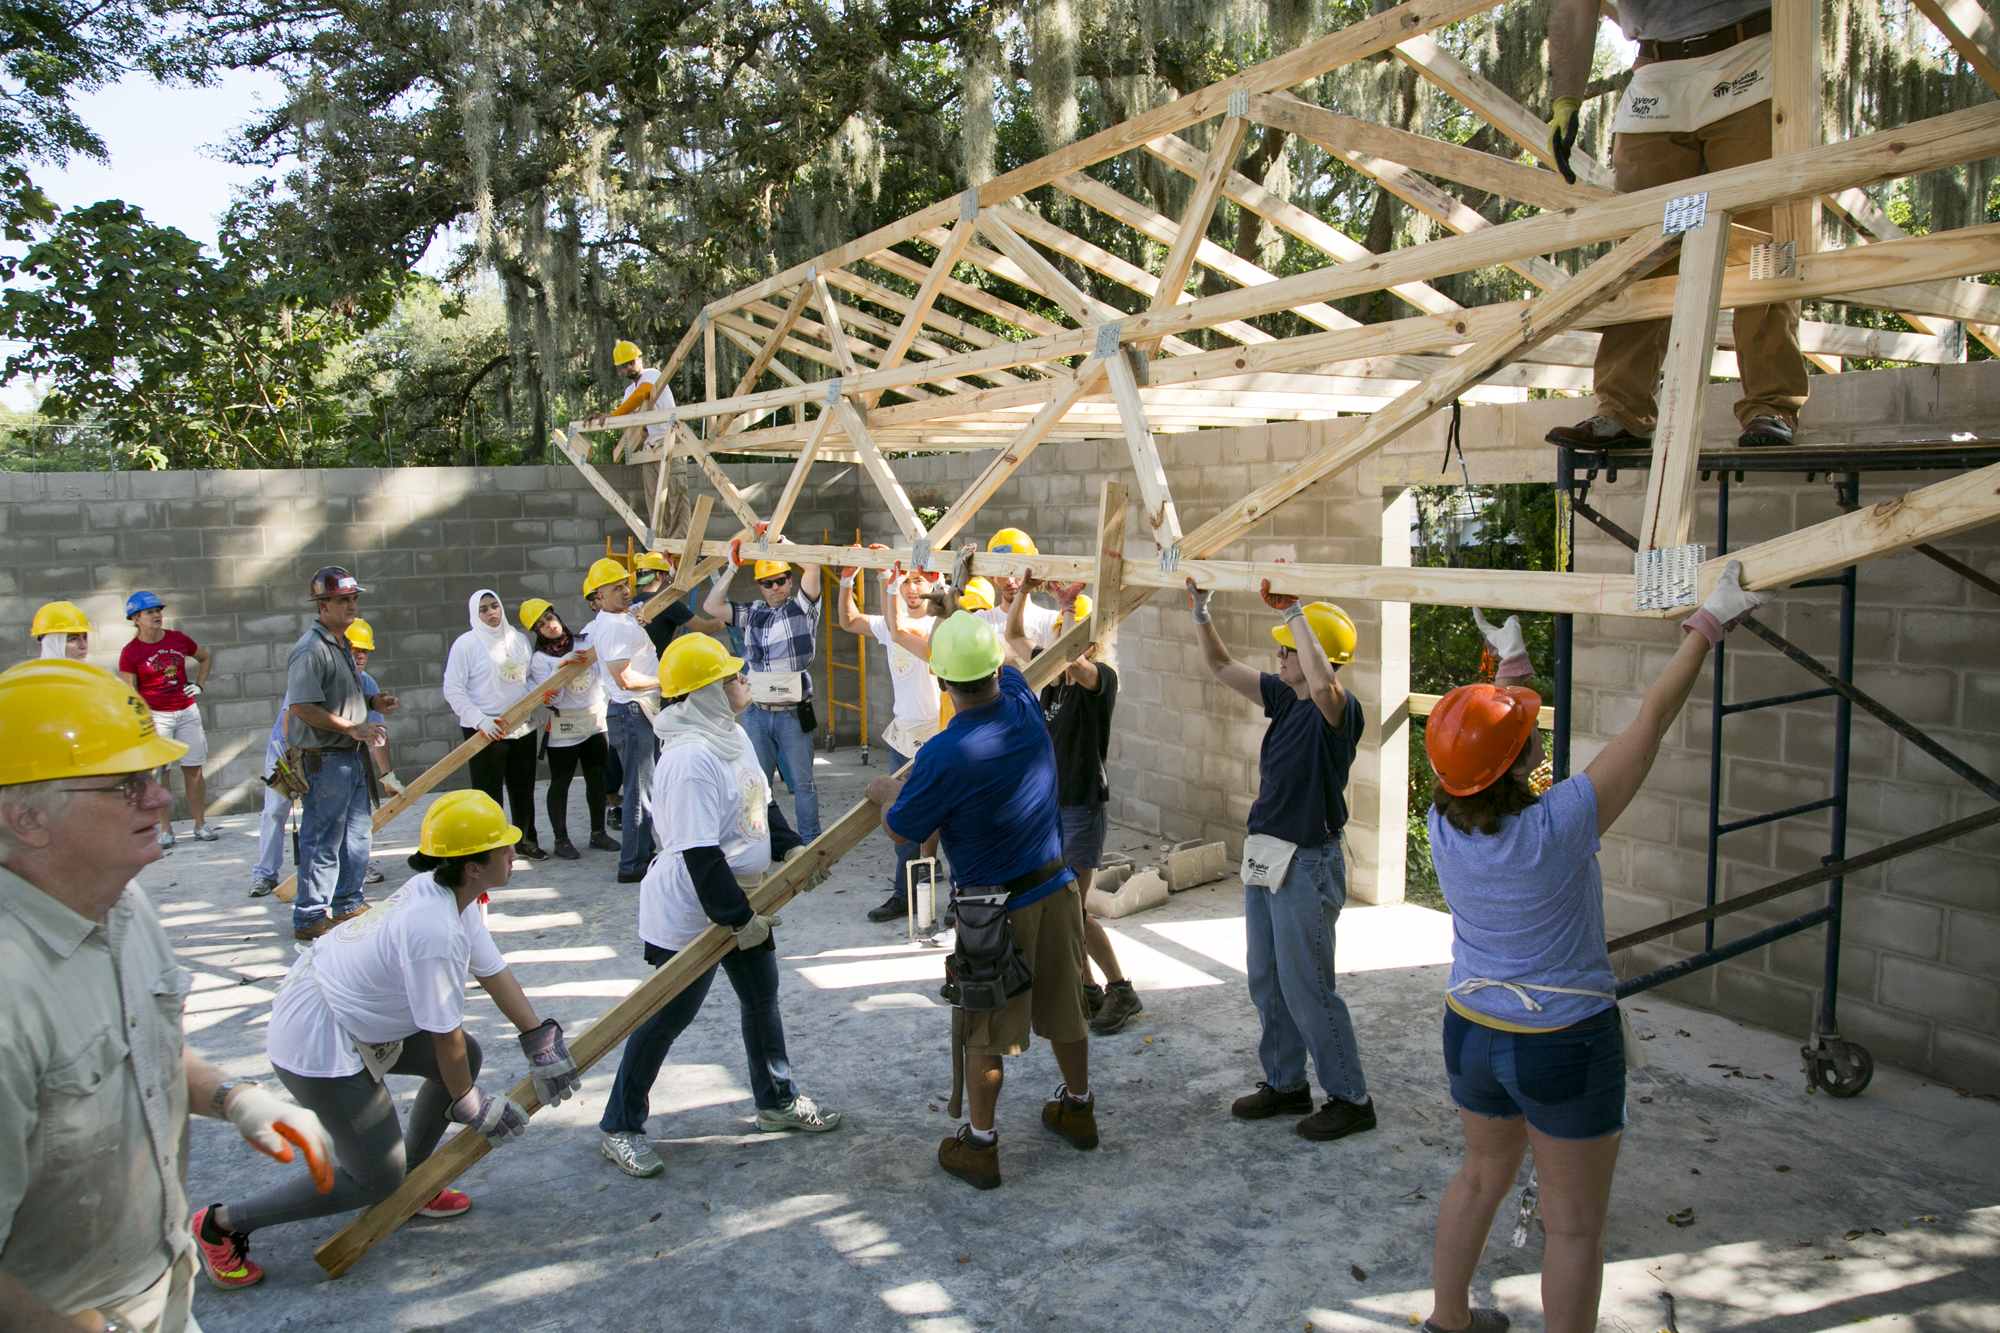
1083	828
1569	1083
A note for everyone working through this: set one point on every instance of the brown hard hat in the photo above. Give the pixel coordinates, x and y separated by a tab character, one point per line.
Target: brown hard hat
333	581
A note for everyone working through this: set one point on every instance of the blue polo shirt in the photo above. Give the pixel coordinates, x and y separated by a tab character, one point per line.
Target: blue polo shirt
1302	768
987	785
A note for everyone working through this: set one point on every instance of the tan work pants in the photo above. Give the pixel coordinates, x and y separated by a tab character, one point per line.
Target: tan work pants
1767	336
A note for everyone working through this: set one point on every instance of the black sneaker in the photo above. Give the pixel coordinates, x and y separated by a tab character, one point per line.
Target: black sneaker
600	842
614	818
631	876
1598	432
567	851
1336	1120
1765	432
1267	1101
1483	1321
531	850
895	908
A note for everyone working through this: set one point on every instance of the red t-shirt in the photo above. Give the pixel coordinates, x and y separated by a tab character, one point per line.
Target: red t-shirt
164	670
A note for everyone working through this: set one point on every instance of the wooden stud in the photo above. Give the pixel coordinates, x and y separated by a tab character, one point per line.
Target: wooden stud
1042	275
1107	583
598	483
879	472
1971	32
769	349
1180	261
913	321
796	483
1494	107
1795	110
717	478
1003	466
684	570
1161	517
707	359
1670	482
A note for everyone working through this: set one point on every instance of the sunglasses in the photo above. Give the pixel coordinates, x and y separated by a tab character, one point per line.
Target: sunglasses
777	582
134	788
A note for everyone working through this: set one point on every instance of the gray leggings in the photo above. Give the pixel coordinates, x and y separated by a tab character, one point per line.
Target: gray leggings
373	1151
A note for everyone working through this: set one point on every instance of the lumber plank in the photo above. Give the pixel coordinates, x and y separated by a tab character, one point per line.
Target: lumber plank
1495	107
796	482
685	575
1062	397
949	325
1795	108
707	359
1971	32
1670	482
1207	193
764	354
836	336
913	320
1162	518
598	483
972	298
879	472
1040	274
1109	579
717	478
1871	224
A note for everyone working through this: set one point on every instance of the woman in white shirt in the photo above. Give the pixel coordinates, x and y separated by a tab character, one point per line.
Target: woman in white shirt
485	675
576	727
384	993
711	806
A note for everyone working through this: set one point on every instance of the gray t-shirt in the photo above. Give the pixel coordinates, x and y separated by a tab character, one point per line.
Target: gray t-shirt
321	671
1672	20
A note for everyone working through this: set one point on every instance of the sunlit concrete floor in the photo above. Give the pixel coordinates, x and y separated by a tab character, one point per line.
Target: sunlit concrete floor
1183	1219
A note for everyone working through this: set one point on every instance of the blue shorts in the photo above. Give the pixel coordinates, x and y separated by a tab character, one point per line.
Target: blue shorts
1084	827
1569	1083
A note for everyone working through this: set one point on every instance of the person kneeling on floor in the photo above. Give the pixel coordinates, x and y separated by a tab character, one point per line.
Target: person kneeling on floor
711	814
381	994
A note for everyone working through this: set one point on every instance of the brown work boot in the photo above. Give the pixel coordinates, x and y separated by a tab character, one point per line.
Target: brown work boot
346	916
1267	1101
1073	1121
1598	432
1337	1119
977	1166
314	931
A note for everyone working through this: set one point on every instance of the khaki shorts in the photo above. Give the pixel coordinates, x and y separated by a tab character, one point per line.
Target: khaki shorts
184	725
1050	933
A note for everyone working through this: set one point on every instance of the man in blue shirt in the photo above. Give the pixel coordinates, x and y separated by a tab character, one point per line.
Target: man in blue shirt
1295	878
987	785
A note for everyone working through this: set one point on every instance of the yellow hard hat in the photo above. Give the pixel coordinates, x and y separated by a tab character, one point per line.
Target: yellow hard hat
1082	607
532	612
361	635
1333	627
965	648
692	661
978	595
624	351
602	572
60	618
653	560
63	719
465	823
770	569
1014	540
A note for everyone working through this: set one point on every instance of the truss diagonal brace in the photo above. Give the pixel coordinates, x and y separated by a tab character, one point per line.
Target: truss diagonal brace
1161	516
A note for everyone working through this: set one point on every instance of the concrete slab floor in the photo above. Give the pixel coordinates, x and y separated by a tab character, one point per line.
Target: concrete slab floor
1183	1219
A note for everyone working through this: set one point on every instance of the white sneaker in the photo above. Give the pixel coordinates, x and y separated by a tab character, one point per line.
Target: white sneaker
631	1154
207	833
804	1114
166	838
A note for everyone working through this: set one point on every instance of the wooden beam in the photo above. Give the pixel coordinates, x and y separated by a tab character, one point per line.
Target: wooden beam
836	337
913	321
1161	517
972	298
1871	224
1109	580
1670	482
1971	32
949	325
879	472
796	483
717	478
659	496
1041	274
1065	395
764	354
599	484
1795	109
1180	259
707	358
685	576
1494	107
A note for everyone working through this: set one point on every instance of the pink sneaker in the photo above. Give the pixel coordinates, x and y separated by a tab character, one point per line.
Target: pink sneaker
227	1263
448	1203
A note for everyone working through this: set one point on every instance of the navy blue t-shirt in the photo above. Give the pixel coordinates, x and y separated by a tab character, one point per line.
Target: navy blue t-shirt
987	784
660	629
1302	769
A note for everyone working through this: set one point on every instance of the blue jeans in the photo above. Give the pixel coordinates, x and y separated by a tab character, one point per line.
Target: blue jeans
754	974
631	736
906	852
1290	939
776	732
271	836
335	834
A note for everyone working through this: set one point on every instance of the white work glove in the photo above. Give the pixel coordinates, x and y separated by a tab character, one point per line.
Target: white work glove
847	580
192	690
491	729
755	931
1508	643
391	783
500	1119
1198	602
1729	603
272	1127
813	881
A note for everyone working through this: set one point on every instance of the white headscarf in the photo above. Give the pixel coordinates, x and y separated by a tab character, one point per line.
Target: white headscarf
502	642
703	717
54	646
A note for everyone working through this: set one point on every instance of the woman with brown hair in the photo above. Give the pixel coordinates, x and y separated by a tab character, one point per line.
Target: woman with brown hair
576	727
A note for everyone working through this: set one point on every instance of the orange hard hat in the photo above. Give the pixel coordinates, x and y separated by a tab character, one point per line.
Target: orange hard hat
1476	732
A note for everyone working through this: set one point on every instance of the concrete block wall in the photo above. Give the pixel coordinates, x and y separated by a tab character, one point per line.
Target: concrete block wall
231	552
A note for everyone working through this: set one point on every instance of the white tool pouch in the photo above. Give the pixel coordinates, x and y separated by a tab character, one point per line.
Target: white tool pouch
1266	859
777	687
1680	96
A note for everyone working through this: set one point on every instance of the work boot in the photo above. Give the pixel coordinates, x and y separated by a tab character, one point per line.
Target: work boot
894	908
1267	1101
601	842
976	1165
339	917
314	931
1337	1119
1121	1003
567	851
630	1153
1071	1120
1483	1321
1765	432
1093	998
530	850
1598	432
614	818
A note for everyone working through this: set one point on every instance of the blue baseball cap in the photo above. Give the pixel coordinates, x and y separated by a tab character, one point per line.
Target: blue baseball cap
141	601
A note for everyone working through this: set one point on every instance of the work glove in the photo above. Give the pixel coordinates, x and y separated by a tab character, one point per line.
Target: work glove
1507	643
1562	133
491	729
549	1063
814	880
1277	601
272	1127
1198	602
961	568
192	690
1728	604
1066	595
500	1119
755	931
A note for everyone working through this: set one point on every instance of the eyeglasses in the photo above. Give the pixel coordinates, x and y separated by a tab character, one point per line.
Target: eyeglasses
134	788
1284	652
778	582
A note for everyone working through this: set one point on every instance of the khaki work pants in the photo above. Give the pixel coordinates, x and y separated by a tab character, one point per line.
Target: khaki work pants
1767	336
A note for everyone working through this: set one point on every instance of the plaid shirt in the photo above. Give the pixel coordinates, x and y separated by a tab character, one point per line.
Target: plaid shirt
780	638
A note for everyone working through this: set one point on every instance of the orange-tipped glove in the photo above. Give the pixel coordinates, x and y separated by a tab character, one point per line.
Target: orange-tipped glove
273	1127
1277	601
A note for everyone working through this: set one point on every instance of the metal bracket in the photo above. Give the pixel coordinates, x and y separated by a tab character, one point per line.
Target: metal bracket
1142	365
1170	559
920	553
812	272
704	319
833	391
968	205
1666	578
1107	339
1773	259
1239	102
1684	213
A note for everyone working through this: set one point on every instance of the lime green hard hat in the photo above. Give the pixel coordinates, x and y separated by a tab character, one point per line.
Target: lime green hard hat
965	648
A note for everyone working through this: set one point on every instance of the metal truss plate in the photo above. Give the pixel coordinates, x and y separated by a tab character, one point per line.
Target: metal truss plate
1684	213
1666	578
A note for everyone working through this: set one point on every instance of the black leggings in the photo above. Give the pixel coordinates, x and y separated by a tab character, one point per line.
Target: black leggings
508	764
372	1153
563	761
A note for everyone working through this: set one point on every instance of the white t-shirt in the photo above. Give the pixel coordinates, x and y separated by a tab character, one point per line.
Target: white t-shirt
579	705
478	685
1040	622
397	969
916	688
700	800
621	638
663	399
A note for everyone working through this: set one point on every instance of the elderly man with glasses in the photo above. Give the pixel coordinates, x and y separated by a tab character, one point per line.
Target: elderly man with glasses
95	1084
779	642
